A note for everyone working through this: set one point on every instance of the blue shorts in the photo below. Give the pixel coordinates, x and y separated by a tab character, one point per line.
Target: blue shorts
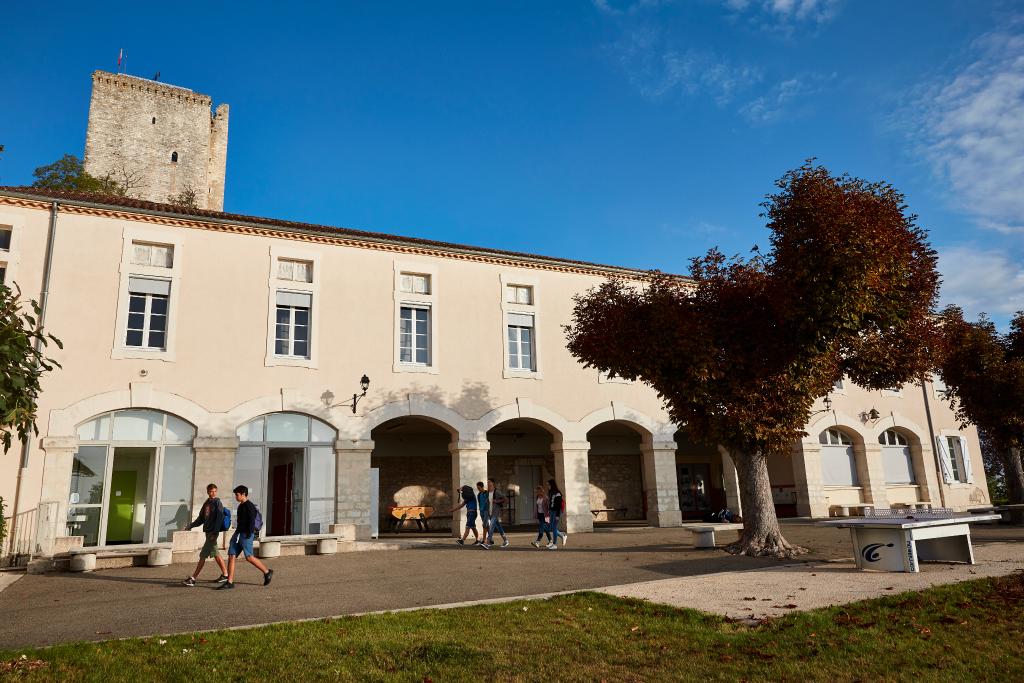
240	545
470	519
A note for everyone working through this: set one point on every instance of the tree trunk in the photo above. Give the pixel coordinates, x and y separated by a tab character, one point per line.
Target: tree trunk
1013	470
761	536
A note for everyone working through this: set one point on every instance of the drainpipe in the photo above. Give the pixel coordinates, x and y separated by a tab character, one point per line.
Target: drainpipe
931	435
44	295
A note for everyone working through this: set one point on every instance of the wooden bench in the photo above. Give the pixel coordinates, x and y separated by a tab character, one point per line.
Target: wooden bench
704	534
413	513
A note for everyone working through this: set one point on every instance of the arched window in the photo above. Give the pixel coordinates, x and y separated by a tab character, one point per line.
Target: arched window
896	458
131	478
174	157
838	465
287	460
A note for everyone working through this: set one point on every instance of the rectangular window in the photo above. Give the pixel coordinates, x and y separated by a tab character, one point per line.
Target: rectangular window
415	283
147	313
5	238
292	324
3	273
153	255
414	335
838	386
939	387
519	294
956	458
520	342
296	271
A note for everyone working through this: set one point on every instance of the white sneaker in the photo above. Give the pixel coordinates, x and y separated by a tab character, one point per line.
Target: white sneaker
552	546
535	544
506	543
565	539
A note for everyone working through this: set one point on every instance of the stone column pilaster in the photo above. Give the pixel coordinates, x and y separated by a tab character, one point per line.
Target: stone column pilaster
215	464
810	485
872	474
469	465
572	472
923	458
661	487
57	463
352	498
731	482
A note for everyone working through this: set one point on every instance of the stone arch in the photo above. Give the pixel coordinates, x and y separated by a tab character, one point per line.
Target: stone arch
415	406
842	422
622	414
63	422
281	402
524	409
905	426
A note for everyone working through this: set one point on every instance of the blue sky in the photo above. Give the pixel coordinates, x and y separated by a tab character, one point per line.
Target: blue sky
633	132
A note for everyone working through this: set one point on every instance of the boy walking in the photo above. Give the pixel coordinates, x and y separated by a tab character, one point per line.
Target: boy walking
241	540
497	502
483	502
211	516
468	502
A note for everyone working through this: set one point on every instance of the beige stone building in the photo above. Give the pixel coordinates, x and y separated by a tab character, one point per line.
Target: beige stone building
209	347
160	139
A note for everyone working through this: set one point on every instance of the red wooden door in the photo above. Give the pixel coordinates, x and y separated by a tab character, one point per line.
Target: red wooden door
281	500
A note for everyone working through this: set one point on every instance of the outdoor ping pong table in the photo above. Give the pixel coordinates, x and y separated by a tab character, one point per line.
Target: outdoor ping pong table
895	544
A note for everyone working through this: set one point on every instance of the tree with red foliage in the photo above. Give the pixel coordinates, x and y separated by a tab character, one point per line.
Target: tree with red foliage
984	376
741	350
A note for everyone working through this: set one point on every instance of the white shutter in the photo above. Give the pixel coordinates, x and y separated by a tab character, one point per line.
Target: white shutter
520	319
302	299
944	460
406	284
968	470
145	285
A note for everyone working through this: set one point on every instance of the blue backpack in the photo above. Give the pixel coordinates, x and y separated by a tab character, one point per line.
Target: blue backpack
226	524
258	522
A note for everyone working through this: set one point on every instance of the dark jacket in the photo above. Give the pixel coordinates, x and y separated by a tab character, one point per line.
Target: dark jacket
211	516
246	518
555	503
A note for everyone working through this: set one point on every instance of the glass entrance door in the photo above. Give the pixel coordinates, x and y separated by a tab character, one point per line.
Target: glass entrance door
285	484
693	482
127	509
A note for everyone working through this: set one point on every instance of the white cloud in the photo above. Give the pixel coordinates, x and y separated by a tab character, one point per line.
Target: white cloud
973	132
785	14
658	71
619	7
980	280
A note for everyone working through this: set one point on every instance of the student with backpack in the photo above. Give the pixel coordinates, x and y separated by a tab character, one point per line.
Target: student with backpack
543	509
483	502
249	523
497	502
214	519
556	506
468	502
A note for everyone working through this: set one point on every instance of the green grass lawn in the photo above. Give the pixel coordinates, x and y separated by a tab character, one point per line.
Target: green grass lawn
964	632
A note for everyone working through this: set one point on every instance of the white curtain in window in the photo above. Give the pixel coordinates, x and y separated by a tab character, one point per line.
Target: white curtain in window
897	465
301	299
141	254
520	319
146	285
285	269
303	271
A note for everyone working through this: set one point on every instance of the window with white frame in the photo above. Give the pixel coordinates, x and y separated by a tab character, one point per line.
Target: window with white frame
414	335
294	270
956	458
521	348
153	255
519	294
3	273
148	300
838	463
897	463
5	237
291	334
415	283
939	387
838	385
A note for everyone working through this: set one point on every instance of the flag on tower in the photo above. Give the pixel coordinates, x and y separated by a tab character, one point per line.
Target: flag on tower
120	56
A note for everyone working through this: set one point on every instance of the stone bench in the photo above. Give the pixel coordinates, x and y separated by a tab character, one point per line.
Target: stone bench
704	534
326	544
86	559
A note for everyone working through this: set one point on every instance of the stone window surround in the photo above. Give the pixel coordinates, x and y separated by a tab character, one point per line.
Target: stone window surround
10	258
429	301
957	483
504	280
275	284
176	240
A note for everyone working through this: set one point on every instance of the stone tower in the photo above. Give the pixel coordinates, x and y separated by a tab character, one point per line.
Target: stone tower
164	138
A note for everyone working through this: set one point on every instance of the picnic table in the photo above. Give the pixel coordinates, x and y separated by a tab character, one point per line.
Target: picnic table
900	543
413	513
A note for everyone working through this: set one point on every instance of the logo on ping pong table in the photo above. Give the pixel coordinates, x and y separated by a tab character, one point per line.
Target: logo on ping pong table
870	551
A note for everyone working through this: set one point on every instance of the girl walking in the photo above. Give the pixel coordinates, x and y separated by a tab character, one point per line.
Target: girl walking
554	512
541	507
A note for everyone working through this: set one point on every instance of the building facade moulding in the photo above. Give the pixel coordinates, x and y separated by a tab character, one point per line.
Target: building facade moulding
215	443
617	411
525	409
837	420
63	422
415	405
